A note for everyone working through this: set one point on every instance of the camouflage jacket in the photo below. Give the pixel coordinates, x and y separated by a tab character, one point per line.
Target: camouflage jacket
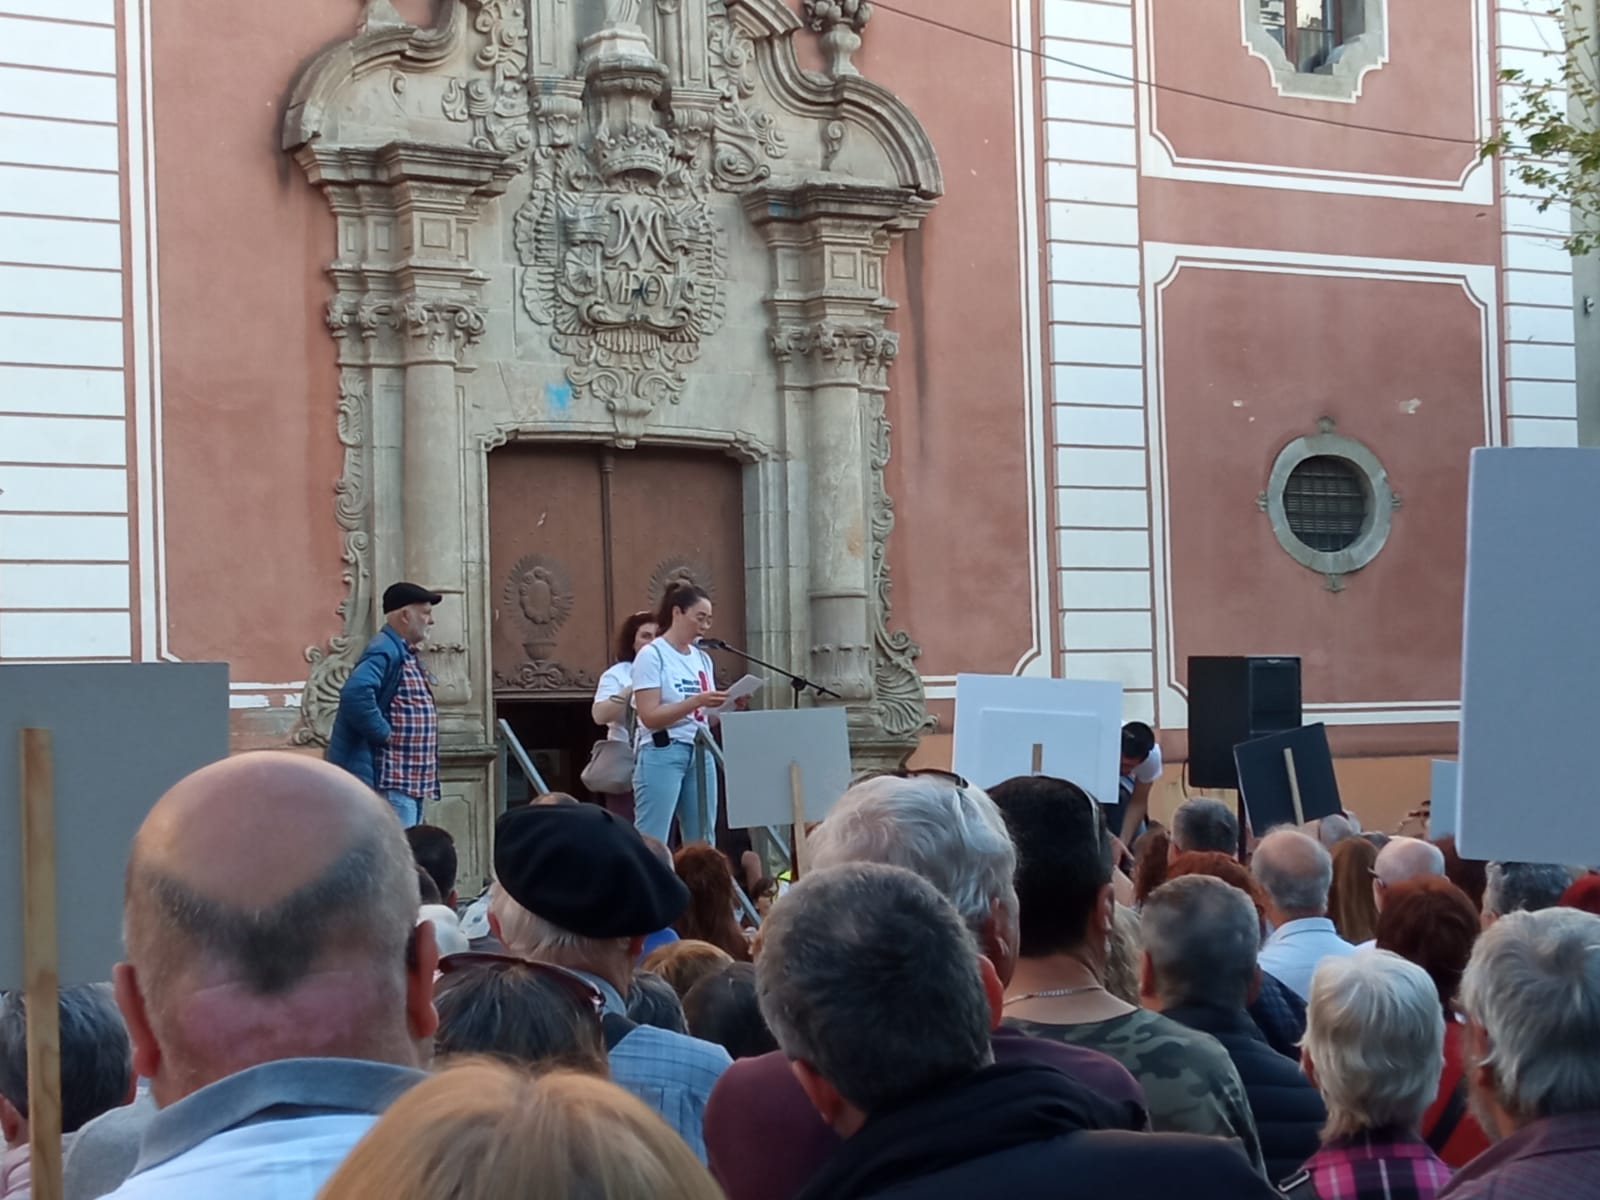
1190	1084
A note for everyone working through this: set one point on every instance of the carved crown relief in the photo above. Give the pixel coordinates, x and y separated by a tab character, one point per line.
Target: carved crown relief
622	256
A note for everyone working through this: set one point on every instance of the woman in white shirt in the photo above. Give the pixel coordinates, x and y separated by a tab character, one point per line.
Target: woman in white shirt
611	698
673	686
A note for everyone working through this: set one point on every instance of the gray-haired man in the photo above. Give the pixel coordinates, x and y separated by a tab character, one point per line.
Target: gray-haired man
875	990
1296	872
1532	1000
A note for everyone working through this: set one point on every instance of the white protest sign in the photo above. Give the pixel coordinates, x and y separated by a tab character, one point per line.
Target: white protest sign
758	751
1530	655
1069	728
1444	779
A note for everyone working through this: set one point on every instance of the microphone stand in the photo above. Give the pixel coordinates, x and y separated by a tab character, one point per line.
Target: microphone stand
799	683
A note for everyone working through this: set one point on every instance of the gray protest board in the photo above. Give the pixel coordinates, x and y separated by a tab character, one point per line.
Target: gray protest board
1530	656
1444	786
1076	724
121	735
757	750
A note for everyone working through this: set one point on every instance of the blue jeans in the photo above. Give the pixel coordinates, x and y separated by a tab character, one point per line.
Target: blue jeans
664	785
407	808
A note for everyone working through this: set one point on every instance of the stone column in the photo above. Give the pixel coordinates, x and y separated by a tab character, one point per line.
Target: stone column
434	489
829	241
837	518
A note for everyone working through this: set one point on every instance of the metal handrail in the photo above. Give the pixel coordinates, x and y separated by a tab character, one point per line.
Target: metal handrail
530	771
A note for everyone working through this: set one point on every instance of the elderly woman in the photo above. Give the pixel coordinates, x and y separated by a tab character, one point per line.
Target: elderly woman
1374	1047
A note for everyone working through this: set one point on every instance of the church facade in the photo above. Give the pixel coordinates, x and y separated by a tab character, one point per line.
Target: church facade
1068	337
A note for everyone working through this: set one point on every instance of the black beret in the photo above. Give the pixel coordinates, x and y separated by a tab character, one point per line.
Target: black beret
402	595
582	868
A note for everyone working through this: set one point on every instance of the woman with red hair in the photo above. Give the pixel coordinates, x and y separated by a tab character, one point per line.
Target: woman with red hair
710	916
1433	923
1584	894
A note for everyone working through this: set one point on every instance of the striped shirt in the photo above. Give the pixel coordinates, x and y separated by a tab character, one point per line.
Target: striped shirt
410	760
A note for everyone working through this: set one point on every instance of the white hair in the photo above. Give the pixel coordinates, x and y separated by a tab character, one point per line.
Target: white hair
1533	984
1375	1037
952	836
1407	858
530	936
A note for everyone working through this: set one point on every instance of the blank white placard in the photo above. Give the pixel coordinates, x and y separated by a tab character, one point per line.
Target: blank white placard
1077	723
1530	663
757	750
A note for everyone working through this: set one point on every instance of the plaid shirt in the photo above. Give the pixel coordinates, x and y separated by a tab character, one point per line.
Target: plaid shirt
1557	1157
410	761
1378	1165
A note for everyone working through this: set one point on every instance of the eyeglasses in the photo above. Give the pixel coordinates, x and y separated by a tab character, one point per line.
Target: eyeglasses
576	988
1377	877
912	773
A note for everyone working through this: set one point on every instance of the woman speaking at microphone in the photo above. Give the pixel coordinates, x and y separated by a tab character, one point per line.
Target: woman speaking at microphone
673	686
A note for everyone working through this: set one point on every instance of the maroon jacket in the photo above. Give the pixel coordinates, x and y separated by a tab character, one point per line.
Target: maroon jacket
764	1141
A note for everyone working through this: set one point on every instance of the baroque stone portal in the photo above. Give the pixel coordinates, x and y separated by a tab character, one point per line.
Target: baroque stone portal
618	222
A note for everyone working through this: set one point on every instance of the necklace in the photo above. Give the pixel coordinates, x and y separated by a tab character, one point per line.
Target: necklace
1051	993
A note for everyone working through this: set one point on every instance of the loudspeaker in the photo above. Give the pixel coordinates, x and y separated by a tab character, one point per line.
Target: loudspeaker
1232	700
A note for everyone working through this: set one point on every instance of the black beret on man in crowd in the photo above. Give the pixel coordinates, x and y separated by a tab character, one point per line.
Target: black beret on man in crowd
586	871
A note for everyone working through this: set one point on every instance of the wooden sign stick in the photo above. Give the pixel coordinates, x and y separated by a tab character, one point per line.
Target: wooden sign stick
40	963
797	809
1294	786
1038	759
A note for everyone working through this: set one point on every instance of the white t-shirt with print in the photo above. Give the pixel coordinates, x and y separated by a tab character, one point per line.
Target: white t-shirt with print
679	676
613	683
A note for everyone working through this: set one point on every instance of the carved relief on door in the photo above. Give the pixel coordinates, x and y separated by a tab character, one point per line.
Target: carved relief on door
581	537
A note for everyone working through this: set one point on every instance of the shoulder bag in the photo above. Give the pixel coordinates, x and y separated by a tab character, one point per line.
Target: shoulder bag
609	771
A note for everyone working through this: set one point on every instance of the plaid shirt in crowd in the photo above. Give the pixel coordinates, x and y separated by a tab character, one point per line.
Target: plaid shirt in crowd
410	762
1556	1157
1378	1165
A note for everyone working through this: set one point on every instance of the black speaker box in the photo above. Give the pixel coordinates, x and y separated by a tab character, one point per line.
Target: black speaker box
1236	699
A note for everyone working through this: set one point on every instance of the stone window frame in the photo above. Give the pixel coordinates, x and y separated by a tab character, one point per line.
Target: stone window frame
1367	51
1381	503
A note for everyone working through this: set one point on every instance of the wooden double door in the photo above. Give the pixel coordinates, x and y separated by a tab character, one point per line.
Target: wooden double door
580	537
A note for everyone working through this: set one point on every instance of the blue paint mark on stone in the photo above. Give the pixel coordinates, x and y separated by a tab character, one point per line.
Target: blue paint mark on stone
558	395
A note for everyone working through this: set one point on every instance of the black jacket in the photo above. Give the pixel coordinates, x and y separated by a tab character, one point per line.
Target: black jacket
1010	1131
1289	1112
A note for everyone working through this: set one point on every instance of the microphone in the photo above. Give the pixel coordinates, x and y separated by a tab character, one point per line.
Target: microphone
712	644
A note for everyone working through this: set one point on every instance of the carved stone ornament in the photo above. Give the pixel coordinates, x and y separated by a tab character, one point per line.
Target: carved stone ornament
840	22
862	352
496	104
901	701
545	676
330	667
674	572
623	259
539	592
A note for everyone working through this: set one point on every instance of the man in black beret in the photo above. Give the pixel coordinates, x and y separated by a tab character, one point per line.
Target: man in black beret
577	887
386	732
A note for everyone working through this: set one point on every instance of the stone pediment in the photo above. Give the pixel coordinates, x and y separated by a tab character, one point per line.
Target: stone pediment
507	76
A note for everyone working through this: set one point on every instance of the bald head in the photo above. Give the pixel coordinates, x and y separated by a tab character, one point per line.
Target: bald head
1401	860
269	904
1296	872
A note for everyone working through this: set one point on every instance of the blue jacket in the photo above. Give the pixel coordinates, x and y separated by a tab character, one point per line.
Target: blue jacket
361	726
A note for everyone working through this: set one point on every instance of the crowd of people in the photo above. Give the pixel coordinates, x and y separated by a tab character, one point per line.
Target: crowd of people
1014	989
964	993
